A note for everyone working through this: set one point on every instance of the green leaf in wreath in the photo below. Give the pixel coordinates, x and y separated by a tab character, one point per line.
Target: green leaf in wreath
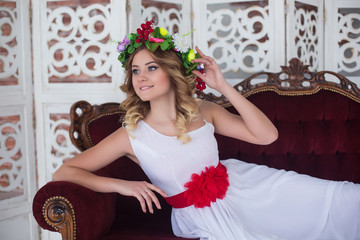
131	49
192	67
136	45
164	45
152	46
156	32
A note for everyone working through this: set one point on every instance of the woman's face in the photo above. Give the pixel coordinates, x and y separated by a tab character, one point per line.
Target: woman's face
150	82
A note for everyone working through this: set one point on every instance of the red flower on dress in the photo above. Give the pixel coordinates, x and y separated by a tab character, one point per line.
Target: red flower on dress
205	188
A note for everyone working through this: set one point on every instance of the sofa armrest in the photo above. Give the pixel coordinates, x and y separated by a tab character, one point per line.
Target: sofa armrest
74	211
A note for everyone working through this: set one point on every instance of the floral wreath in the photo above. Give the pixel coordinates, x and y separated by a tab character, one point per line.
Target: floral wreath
159	37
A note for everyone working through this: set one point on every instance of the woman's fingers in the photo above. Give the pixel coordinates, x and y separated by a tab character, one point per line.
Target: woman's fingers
204	59
199	51
145	200
140	198
158	190
152	195
147	197
199	74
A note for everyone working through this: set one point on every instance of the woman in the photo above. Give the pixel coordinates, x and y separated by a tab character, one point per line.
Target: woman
171	136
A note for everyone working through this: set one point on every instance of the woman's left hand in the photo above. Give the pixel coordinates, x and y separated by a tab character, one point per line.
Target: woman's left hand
212	75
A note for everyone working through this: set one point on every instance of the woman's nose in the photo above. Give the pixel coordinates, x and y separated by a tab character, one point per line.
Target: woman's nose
142	77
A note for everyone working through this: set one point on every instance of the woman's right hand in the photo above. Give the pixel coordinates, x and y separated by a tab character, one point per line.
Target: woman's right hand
143	191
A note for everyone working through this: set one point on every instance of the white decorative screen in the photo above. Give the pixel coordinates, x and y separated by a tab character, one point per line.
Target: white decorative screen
342	41
11	118
240	35
58	147
172	15
305	32
78	42
14	110
76	60
167	15
12	153
17	155
348	39
9	64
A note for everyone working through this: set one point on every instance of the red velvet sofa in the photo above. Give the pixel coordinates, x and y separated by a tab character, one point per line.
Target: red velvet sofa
319	135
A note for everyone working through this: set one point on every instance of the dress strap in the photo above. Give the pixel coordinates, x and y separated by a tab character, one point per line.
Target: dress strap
210	185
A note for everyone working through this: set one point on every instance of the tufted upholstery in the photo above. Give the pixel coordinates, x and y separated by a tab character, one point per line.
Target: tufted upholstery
319	135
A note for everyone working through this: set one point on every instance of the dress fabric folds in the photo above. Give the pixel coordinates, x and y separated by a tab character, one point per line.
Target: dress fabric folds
261	202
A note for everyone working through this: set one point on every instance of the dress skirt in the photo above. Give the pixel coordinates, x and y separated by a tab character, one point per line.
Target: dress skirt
266	203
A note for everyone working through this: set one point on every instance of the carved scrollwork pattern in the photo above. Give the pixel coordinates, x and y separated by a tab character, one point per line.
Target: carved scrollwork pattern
11	154
348	38
307	35
79	46
169	17
9	69
61	147
239	38
59	213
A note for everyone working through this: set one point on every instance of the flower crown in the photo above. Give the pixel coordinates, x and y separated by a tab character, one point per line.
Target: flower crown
159	37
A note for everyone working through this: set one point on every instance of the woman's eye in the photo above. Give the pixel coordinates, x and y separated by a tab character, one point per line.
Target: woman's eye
135	71
152	68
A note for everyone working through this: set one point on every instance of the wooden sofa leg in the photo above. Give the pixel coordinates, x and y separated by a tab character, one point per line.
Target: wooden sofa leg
59	213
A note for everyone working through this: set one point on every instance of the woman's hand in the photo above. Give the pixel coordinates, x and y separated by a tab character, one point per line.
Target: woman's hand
250	124
212	76
143	191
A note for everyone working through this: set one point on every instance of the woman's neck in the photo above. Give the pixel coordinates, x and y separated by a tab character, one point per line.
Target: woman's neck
162	111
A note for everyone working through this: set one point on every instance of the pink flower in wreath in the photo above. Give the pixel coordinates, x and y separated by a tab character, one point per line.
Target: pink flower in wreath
156	40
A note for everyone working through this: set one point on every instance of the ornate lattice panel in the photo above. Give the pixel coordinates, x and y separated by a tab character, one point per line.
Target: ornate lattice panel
11	155
348	39
240	35
9	25
167	15
17	155
173	15
342	41
74	59
78	42
308	31
58	147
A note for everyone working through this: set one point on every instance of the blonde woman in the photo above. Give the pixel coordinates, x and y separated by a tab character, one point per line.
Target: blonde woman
171	136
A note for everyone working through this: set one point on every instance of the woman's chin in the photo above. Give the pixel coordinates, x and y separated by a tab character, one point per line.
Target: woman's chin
144	98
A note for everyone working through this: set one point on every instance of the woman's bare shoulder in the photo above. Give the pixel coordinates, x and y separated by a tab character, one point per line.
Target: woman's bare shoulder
122	137
204	104
117	143
208	109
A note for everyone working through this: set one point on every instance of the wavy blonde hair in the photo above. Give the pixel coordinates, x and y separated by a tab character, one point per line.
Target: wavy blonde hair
184	87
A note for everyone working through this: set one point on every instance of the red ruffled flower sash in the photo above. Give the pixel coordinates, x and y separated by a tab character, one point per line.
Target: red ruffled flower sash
202	189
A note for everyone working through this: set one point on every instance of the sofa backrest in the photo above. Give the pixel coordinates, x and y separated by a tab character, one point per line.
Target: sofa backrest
92	123
319	135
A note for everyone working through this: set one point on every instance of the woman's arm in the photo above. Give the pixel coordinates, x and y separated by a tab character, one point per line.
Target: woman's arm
79	170
251	126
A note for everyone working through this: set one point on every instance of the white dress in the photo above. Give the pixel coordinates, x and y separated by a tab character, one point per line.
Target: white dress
261	202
